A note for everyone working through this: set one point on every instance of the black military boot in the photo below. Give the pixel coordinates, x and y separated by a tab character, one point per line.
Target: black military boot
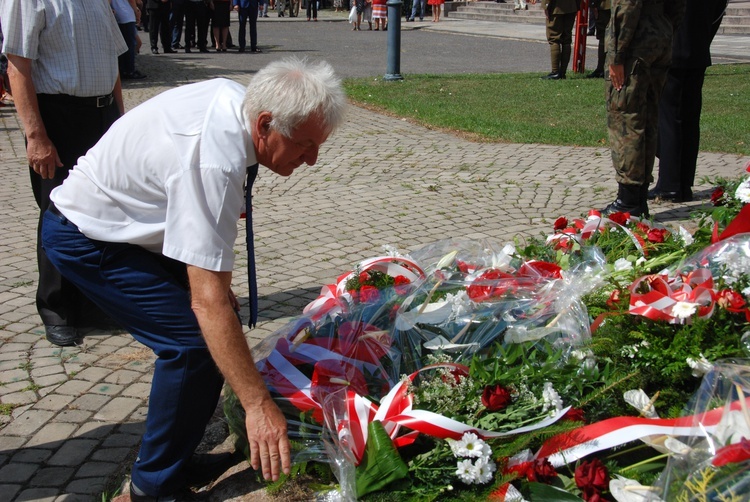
630	199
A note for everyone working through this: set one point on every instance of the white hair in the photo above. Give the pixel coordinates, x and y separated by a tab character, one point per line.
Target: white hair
294	89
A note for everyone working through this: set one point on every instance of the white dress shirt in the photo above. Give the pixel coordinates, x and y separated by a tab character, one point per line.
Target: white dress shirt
168	176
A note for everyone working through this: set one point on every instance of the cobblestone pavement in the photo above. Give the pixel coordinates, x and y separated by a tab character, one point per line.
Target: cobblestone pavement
71	419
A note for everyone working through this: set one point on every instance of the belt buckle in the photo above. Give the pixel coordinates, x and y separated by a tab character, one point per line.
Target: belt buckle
102	101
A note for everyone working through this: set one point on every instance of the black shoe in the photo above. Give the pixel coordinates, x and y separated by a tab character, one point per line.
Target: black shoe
154	50
241	49
203	49
62	336
137	496
203	468
554	76
177	47
136	75
187	50
630	199
256	51
409	19
596	74
169	50
676	196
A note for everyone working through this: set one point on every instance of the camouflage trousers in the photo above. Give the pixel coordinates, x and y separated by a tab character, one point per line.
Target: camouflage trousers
632	122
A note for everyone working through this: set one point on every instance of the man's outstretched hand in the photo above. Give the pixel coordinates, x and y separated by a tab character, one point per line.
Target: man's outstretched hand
269	443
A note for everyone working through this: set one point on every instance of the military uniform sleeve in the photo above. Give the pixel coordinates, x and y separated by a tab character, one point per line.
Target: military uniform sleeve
625	17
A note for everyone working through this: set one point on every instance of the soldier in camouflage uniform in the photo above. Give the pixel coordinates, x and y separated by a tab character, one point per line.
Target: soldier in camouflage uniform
602	12
561	16
639	50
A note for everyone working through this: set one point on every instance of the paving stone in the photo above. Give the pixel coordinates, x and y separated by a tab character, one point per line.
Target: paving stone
16	472
118	409
90	402
39	494
74	387
52	476
8	491
97	469
122	377
32	455
27	423
95	430
121	440
93	374
73	416
111	454
91	486
52	435
73	452
54	402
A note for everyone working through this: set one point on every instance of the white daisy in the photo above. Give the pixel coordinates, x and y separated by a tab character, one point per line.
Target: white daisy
686	237
471	446
552	399
484	468
466	472
622	265
700	366
684	310
743	192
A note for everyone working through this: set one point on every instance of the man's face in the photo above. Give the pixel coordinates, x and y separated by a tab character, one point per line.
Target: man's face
283	155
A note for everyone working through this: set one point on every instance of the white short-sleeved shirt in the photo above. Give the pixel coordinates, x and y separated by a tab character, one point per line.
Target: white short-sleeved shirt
169	176
73	44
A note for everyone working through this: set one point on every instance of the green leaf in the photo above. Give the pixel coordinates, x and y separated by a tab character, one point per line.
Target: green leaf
382	463
548	493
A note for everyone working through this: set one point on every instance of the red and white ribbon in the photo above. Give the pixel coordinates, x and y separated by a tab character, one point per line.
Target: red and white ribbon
662	294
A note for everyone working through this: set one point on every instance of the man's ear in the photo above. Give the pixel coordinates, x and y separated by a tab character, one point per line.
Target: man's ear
263	123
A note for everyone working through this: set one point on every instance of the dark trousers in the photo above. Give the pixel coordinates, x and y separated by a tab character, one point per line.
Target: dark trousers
196	13
312	5
73	128
176	20
148	295
158	26
126	60
249	16
679	129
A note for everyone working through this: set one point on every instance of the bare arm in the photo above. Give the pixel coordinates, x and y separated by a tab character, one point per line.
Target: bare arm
41	153
212	302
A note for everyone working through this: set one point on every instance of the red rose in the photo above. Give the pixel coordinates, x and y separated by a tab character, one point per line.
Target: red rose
656	235
717	197
496	397
591	477
540	269
364	277
642	227
369	294
542	471
574	415
730	300
560	223
619	217
491	283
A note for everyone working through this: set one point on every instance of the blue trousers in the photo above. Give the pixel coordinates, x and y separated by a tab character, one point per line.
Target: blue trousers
249	17
148	295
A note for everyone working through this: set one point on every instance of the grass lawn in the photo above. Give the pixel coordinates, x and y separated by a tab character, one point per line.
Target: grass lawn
522	108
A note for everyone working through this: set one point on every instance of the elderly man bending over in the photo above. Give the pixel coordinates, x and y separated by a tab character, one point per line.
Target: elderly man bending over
148	234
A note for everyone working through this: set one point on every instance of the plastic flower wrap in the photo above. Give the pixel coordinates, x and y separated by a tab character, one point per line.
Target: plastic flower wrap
715	464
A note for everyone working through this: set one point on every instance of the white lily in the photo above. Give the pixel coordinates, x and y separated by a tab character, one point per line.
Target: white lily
628	490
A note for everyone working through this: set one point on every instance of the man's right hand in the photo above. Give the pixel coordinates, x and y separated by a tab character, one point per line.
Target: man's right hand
43	157
269	444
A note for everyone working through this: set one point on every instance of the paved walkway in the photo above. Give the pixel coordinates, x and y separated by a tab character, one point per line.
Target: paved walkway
71	419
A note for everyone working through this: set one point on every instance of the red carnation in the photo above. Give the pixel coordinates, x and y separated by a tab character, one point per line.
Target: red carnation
717	197
369	294
592	477
656	235
619	217
561	223
401	284
496	397
730	300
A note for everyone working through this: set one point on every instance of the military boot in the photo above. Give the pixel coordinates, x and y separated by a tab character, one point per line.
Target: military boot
630	199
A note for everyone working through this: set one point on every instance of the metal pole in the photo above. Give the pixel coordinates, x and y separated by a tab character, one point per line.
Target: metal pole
393	66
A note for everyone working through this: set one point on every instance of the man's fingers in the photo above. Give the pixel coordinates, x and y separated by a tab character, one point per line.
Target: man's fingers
286	456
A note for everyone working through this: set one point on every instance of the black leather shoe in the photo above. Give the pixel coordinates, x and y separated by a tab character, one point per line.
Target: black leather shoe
595	74
203	49
554	76
676	196
256	51
203	468
137	496
154	50
169	50
136	75
619	206
62	336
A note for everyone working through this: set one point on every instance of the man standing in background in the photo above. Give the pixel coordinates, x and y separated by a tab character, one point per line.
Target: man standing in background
67	93
682	99
561	16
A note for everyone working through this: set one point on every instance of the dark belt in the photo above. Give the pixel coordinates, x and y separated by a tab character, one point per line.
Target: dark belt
52	208
89	102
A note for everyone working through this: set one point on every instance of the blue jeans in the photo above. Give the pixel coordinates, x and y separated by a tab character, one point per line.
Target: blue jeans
147	294
422	6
